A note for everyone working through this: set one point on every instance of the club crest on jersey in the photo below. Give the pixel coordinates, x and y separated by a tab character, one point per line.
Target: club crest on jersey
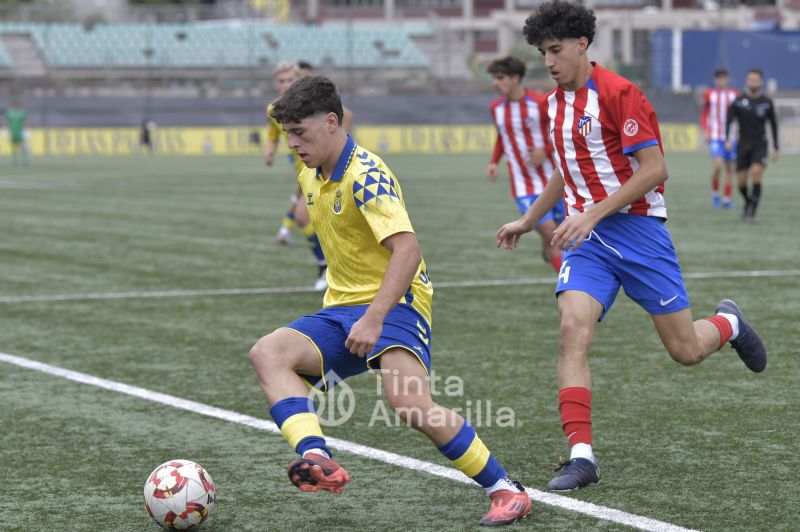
631	127
337	203
310	198
585	125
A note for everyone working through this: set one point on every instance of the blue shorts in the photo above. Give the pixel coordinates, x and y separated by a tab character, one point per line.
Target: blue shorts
631	251
717	150
328	329
556	213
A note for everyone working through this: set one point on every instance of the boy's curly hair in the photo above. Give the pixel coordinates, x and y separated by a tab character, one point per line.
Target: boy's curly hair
559	20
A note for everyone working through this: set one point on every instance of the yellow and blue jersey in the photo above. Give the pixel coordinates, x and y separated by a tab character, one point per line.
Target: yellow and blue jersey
353	212
275	132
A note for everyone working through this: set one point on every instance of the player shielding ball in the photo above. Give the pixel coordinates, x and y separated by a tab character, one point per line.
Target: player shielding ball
520	115
611	167
376	312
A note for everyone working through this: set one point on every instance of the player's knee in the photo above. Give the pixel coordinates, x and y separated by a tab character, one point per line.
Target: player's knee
685	353
574	329
267	353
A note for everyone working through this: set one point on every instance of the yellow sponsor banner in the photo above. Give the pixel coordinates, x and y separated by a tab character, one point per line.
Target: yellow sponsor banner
206	141
680	137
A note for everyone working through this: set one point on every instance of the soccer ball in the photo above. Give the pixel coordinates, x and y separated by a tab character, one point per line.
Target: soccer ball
179	494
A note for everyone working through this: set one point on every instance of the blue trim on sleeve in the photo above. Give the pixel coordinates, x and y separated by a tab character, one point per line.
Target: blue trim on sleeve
286	408
641	145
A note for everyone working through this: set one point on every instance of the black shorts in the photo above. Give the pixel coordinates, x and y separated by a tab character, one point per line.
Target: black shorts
749	153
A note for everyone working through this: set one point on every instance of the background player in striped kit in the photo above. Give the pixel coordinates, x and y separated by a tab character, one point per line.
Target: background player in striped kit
716	101
612	175
520	115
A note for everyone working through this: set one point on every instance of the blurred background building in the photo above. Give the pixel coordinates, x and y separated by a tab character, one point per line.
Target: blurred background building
205	62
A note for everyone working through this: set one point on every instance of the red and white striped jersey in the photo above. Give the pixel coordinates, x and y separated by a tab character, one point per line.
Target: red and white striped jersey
715	109
521	127
595	131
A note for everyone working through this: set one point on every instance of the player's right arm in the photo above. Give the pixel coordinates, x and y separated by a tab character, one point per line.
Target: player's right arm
704	114
730	116
274	130
497	154
508	236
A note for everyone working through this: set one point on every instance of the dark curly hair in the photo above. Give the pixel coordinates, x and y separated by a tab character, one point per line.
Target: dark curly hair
307	97
559	20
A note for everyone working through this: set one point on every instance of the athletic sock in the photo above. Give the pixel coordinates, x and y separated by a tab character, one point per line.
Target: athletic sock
734	321
745	195
504	483
313	241
470	456
299	424
288	220
575	404
727	191
582	450
724	326
755	197
316	450
555	262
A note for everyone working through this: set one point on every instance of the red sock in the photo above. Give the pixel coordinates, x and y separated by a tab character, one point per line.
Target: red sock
555	262
715	185
575	405
728	190
724	327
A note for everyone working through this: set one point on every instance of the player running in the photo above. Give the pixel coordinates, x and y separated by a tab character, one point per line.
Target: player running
713	116
520	115
751	110
611	167
376	312
286	74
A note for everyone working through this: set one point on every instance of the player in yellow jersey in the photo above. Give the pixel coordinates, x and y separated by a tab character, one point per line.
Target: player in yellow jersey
285	74
376	312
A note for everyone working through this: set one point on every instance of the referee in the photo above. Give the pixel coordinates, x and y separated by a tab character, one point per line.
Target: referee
751	111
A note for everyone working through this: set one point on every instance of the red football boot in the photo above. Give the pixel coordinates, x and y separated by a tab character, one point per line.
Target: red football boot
314	472
507	507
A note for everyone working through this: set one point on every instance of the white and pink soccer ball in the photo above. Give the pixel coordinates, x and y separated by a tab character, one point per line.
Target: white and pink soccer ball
179	494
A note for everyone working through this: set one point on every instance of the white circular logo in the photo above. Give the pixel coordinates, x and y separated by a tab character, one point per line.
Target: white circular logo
338	405
631	127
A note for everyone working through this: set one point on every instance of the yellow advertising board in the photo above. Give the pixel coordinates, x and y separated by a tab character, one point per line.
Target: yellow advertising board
213	141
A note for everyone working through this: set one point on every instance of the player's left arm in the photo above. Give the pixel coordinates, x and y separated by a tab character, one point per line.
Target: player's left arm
773	121
651	173
400	272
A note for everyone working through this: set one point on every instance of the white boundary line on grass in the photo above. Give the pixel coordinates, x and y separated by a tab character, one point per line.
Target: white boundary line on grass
560	501
302	289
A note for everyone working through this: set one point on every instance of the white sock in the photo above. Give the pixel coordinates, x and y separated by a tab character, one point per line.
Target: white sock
734	323
318	451
502	484
582	450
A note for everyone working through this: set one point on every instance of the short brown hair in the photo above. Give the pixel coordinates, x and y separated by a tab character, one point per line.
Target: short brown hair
308	96
509	66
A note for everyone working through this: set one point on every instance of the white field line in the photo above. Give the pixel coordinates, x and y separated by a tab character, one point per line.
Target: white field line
303	289
567	503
